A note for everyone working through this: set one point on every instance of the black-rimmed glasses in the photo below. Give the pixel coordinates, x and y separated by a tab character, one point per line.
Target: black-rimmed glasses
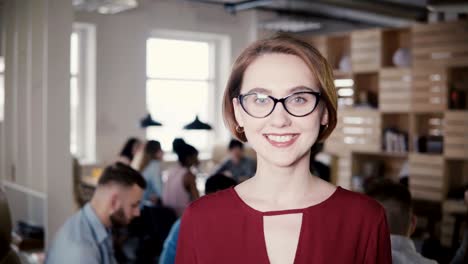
261	105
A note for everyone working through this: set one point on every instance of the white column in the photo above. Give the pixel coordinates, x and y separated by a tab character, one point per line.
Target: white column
36	132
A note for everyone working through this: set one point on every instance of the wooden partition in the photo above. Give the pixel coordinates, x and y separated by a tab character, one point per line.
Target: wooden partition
456	134
426	177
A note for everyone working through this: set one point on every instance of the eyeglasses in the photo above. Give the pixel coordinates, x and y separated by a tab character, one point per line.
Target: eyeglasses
298	104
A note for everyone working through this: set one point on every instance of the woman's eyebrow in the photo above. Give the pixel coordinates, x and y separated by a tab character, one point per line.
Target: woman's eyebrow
259	90
301	89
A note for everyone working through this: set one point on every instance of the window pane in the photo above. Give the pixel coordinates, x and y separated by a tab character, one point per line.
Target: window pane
74	108
187	99
74	54
177	59
2	97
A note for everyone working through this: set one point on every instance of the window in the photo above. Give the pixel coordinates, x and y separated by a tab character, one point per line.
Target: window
2	89
180	86
82	93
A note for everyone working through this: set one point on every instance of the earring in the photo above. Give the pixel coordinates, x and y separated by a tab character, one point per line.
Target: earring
239	129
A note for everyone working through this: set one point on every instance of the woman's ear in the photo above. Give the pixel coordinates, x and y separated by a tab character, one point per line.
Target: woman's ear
237	111
324	118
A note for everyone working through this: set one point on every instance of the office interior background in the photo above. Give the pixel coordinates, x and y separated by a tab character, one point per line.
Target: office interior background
78	77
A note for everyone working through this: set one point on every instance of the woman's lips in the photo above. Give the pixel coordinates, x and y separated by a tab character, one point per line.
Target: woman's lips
281	140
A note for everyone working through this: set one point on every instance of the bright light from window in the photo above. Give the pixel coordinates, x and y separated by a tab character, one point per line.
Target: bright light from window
178	89
345	92
74	54
177	59
344	82
74	93
2	96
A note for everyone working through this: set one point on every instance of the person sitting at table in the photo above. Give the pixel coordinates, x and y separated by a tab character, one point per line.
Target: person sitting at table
86	236
237	165
396	199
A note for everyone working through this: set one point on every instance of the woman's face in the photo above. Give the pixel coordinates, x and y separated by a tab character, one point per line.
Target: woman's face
280	138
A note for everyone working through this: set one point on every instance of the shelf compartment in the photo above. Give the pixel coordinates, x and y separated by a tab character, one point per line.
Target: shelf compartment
365	50
392	41
395	133
366	90
338	46
427	132
456	134
395	90
426	177
458	88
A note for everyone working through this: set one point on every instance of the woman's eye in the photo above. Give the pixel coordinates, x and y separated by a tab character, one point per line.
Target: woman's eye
299	100
262	100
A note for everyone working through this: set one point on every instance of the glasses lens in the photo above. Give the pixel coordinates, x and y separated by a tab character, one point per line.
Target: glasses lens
257	104
300	104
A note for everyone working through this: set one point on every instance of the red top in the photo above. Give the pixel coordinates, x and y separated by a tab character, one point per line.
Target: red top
346	228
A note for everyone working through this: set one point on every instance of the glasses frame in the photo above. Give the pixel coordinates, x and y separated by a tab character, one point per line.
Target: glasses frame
282	101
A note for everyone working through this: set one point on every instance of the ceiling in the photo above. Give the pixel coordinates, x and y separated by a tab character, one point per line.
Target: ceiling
345	15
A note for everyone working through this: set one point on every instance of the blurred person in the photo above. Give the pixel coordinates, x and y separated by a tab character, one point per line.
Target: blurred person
180	188
213	184
461	255
129	150
150	167
397	201
86	237
237	164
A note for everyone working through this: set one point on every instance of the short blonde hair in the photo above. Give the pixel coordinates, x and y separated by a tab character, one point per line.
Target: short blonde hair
284	44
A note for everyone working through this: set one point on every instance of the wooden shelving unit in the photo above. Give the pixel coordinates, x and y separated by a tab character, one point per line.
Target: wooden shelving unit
416	99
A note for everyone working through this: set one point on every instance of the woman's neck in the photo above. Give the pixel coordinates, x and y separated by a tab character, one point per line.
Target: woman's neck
283	186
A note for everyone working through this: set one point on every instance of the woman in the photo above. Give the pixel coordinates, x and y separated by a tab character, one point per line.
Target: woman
131	147
150	168
281	99
180	188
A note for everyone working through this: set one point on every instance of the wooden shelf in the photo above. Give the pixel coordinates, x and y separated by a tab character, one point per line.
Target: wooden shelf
395	89
365	50
456	134
415	99
398	155
426	174
429	91
441	44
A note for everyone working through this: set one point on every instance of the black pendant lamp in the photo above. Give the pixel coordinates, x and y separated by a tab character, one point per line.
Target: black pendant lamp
197	125
148	121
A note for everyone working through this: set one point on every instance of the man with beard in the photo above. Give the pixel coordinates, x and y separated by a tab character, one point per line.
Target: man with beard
86	237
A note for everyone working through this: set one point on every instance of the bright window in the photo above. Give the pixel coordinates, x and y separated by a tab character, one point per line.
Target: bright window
2	89
179	87
82	93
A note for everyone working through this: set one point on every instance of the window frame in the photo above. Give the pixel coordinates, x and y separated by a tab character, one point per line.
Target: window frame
86	84
218	72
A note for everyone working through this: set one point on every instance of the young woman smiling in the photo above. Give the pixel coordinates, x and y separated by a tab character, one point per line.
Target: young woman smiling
281	99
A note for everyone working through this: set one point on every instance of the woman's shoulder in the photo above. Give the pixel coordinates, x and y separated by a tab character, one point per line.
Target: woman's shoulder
358	203
213	204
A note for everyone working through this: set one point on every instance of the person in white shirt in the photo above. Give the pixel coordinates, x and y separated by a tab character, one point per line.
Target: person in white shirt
396	199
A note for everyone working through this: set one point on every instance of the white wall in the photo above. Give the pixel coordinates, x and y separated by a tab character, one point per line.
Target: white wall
121	65
36	160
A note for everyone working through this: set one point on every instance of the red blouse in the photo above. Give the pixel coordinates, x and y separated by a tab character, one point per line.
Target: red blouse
346	228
